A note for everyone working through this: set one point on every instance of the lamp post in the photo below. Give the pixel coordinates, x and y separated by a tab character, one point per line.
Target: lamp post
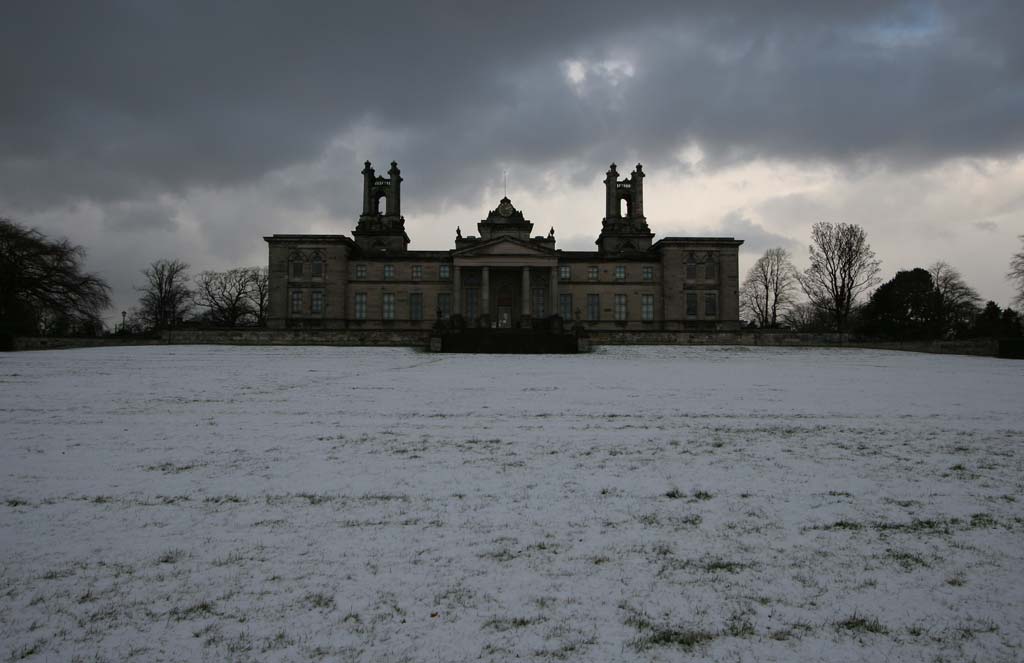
124	314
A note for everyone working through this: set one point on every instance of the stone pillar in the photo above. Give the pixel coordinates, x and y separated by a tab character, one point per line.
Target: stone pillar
637	192
485	292
456	290
554	291
395	195
526	292
367	183
611	195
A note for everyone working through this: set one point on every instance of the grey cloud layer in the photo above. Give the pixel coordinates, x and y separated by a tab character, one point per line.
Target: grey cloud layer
122	102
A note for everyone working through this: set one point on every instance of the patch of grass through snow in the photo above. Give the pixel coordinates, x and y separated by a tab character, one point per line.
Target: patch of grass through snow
509	623
862	624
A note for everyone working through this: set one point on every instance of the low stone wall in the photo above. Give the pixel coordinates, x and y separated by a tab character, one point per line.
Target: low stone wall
738	337
296	337
413	338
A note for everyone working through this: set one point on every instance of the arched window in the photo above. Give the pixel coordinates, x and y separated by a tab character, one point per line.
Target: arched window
711	267
381	209
295	266
624	208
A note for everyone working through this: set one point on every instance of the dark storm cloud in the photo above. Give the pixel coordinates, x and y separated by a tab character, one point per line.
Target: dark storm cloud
122	101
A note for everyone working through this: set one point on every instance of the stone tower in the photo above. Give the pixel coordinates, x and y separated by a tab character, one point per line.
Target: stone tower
381	227
624	233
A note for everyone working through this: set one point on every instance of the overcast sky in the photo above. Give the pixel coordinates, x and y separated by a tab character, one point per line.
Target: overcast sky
144	130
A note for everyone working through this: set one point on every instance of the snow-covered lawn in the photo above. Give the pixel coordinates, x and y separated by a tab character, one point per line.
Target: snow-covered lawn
221	503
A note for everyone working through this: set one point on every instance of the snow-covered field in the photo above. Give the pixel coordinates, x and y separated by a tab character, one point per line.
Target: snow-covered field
221	503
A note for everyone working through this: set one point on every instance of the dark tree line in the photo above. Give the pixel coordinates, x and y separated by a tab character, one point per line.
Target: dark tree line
916	304
43	286
170	297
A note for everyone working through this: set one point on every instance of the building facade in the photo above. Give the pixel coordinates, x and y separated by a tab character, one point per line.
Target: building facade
505	277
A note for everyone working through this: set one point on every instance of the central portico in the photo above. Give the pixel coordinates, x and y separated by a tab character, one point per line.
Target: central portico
506	280
504	276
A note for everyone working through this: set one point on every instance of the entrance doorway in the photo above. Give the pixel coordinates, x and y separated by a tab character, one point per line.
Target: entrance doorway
504	317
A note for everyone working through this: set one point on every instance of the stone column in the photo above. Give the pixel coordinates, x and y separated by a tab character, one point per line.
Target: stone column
554	291
485	292
456	291
526	292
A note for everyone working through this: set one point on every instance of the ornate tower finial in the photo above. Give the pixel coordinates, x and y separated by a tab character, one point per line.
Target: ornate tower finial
381	226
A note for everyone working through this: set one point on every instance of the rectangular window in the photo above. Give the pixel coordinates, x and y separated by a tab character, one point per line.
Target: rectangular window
565	306
316	304
360	271
472	308
444	305
691	270
539	296
296	269
389	272
711	270
691	304
564	272
620	272
620	307
388	306
444	272
416	306
647	307
317	268
648	273
417	272
360	306
592	273
711	304
593	307
296	301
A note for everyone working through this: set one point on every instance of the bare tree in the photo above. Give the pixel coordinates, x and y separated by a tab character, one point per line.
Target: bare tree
958	302
166	297
1016	274
843	266
259	292
804	317
770	287
43	287
225	295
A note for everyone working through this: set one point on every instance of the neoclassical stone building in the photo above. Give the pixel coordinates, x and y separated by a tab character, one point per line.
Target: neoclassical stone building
504	277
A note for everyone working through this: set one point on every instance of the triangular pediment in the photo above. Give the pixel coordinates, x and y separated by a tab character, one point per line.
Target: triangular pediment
505	246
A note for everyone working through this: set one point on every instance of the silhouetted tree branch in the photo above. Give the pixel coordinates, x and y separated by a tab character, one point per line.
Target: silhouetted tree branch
166	297
843	266
1016	274
259	292
770	287
225	296
42	286
958	303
